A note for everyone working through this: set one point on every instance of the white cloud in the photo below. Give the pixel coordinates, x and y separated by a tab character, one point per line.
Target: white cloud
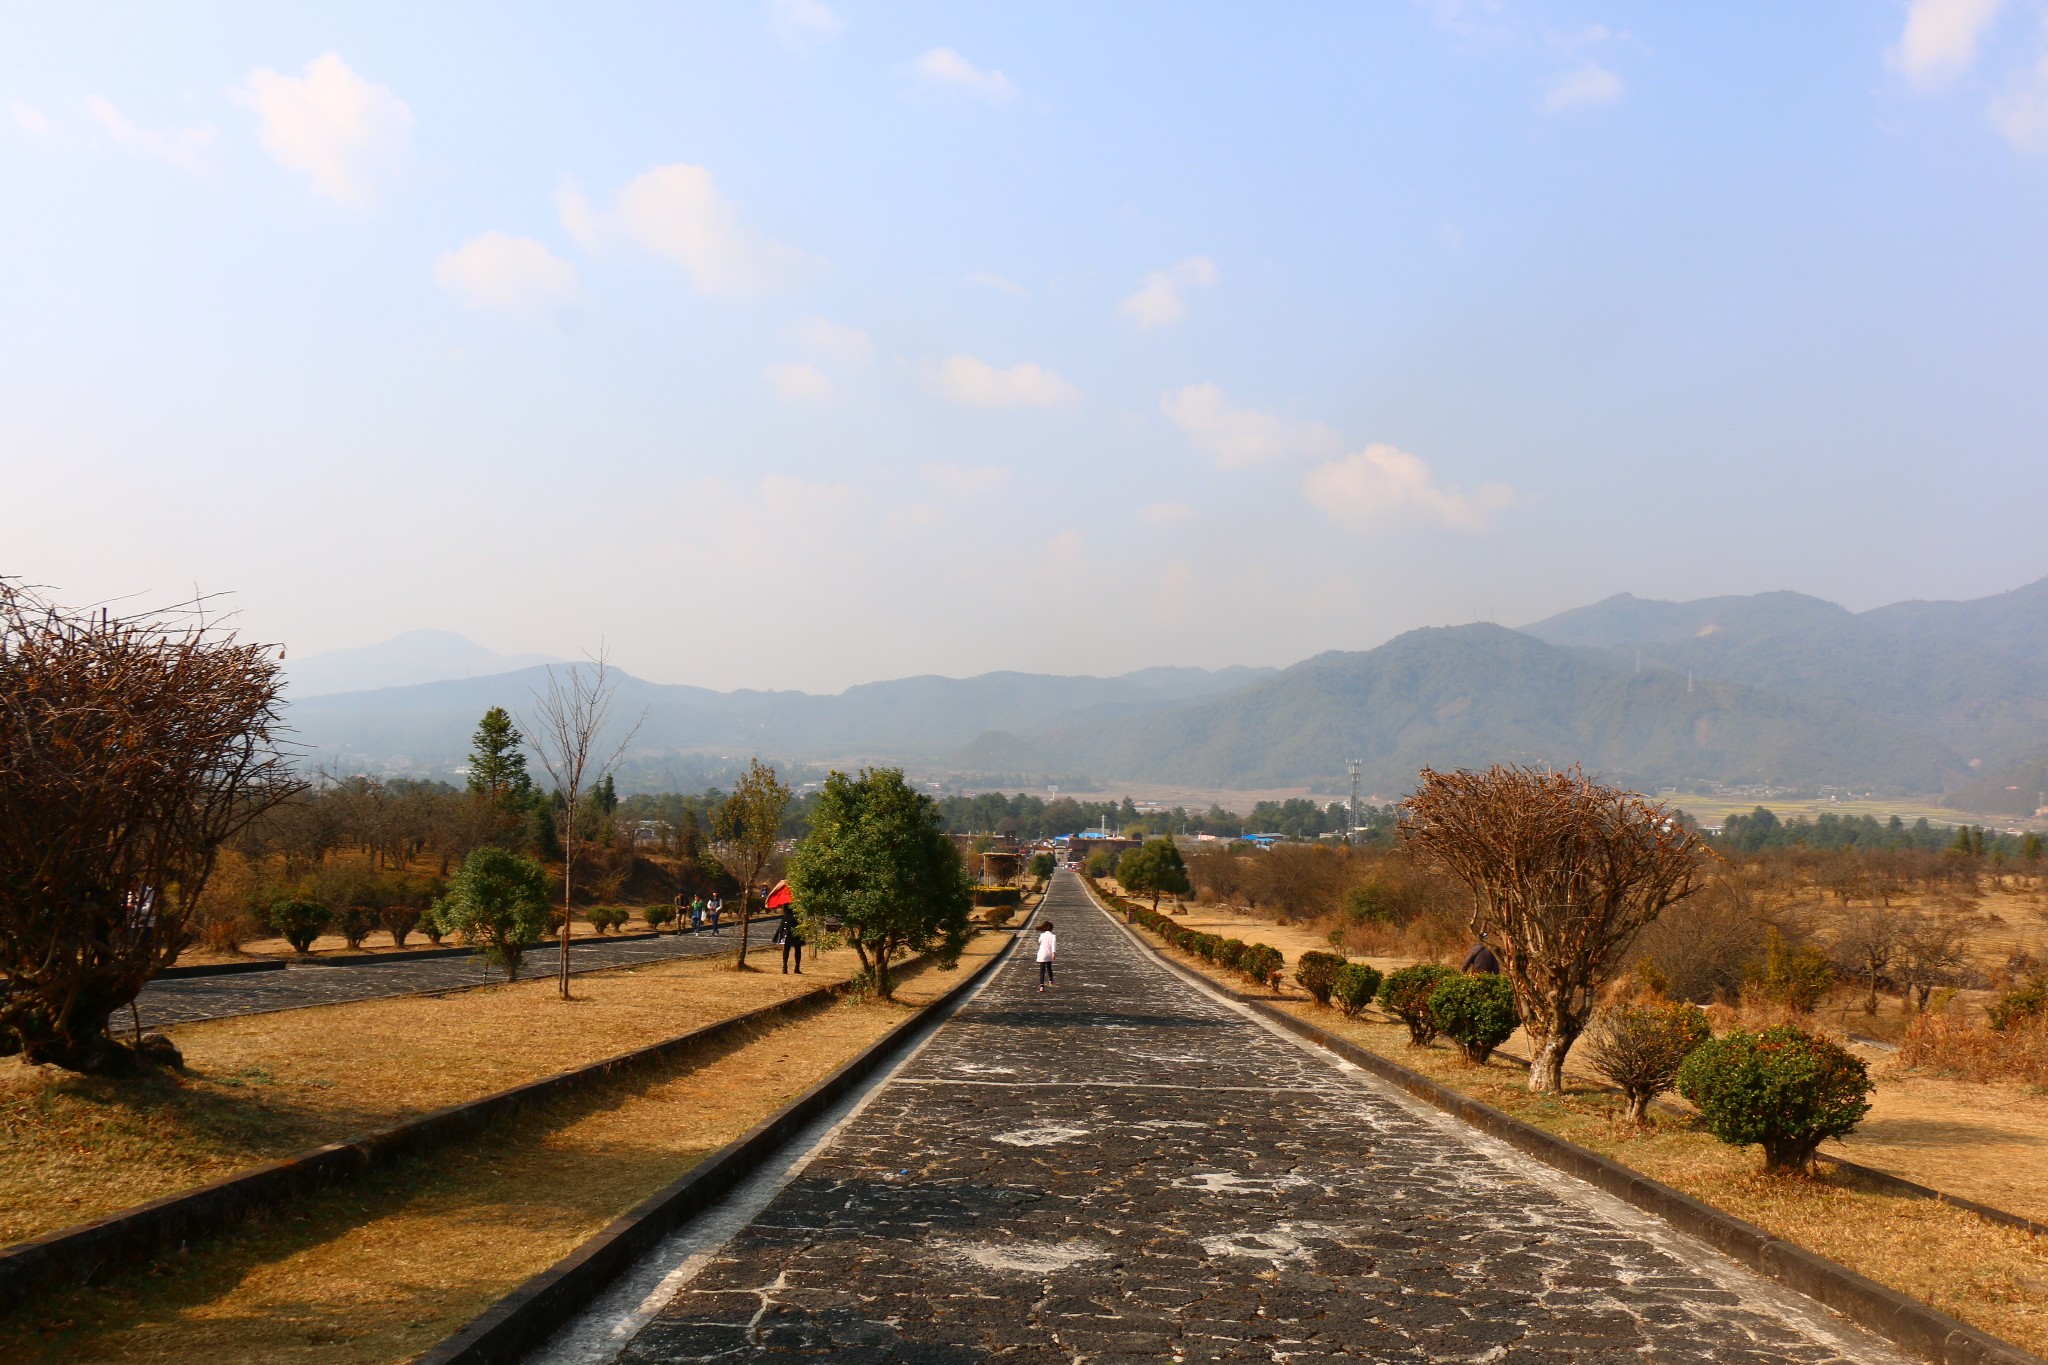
979	384
1940	39
1239	437
850	346
677	213
997	282
1381	483
1587	83
2023	115
964	483
784	495
515	275
30	119
348	135
1159	299
944	69
802	23
1165	513
800	385
185	149
584	224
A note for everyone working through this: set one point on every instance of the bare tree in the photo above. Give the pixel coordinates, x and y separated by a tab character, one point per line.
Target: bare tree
1932	951
1865	946
1565	872
745	833
131	749
563	730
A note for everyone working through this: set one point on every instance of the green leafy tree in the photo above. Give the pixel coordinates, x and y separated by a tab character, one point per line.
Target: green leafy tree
1784	1089
746	831
1153	868
877	864
498	902
497	760
1042	866
1099	864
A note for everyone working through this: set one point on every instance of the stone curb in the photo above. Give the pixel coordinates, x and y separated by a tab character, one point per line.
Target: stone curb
89	1251
217	969
400	955
1913	1326
530	1314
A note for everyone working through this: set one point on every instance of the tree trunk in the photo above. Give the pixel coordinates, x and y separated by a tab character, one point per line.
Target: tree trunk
1870	1004
1546	1067
568	914
882	986
1638	1109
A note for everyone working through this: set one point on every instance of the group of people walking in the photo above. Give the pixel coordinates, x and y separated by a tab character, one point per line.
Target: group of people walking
696	912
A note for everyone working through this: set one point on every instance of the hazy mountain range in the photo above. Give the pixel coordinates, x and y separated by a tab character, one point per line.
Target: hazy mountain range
1914	698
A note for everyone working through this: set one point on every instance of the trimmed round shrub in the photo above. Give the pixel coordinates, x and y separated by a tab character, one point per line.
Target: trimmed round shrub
1641	1047
1354	987
1477	1012
658	915
1230	953
605	918
300	922
1784	1089
1317	973
1405	995
998	895
356	924
1262	965
399	921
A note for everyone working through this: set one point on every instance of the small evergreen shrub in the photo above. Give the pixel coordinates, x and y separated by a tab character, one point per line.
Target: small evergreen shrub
998	895
658	915
605	918
1355	985
300	922
1784	1089
1317	974
430	925
1795	975
1261	965
1230	953
1641	1047
356	924
1405	995
1477	1012
399	921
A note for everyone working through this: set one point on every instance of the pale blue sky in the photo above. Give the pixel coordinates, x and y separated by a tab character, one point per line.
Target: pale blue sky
803	344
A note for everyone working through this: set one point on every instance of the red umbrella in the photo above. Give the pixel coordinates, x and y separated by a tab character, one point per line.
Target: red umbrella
779	897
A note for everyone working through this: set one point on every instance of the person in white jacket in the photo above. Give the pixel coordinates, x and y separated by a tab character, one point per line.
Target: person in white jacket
1048	944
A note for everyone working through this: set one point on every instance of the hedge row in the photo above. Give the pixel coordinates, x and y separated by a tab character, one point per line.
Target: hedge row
1784	1089
1257	963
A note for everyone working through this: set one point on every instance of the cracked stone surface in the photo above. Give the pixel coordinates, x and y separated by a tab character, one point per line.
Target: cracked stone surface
1127	1169
183	1000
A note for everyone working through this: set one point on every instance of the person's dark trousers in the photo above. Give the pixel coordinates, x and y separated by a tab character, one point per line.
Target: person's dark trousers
1045	975
795	945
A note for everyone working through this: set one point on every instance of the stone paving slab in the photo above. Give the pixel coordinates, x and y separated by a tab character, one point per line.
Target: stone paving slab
1126	1168
189	999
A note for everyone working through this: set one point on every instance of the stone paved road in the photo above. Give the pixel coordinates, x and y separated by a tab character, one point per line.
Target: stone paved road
186	999
1129	1169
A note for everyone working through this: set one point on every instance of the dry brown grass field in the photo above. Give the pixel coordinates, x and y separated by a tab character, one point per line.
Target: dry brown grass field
263	1086
379	1269
1987	1142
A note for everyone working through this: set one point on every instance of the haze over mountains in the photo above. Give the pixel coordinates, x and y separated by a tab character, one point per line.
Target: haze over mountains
1917	698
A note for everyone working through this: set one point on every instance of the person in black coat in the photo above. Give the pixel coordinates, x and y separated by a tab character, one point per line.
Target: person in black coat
789	935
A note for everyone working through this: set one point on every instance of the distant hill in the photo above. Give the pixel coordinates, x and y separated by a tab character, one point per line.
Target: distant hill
426	728
418	656
1917	698
1971	675
1481	694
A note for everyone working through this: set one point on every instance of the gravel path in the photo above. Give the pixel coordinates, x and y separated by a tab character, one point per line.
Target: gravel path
1127	1168
191	998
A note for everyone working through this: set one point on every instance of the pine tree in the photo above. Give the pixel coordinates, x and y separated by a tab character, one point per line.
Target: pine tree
497	762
